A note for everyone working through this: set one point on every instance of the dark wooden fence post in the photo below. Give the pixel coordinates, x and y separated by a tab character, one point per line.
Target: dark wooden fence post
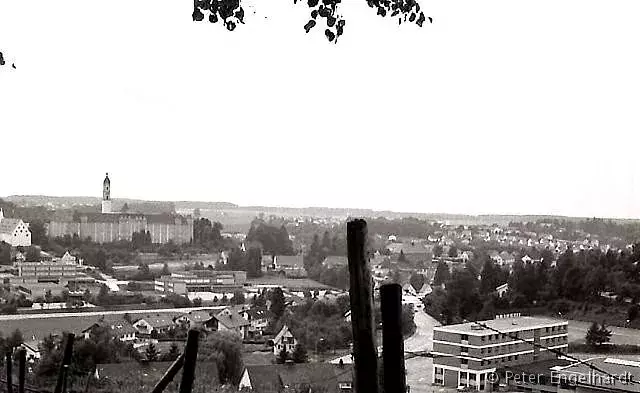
169	375
66	361
190	359
9	360
392	340
365	352
22	366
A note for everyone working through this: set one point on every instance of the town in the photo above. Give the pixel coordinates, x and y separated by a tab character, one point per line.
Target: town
478	299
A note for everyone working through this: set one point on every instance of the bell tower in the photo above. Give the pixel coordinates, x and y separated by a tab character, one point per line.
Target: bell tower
106	195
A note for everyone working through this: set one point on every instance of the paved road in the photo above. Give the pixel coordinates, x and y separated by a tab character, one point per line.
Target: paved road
419	369
99	313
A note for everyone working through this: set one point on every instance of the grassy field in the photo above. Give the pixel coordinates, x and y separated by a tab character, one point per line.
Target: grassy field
287	282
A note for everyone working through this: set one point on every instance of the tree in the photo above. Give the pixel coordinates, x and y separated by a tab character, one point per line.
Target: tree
437	251
33	254
238	297
14	340
254	262
299	354
38	232
632	312
282	356
453	252
125	208
442	273
151	352
597	335
489	277
5	254
226	349
231	13
277	302
173	353
165	269
417	281
197	302
401	257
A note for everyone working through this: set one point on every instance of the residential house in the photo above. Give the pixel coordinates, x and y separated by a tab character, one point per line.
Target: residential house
502	290
284	340
258	318
507	258
495	257
158	324
527	259
195	319
408	289
32	350
335	262
425	290
229	320
279	378
290	265
14	231
117	328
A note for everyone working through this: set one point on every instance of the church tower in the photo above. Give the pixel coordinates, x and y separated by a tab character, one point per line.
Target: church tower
106	195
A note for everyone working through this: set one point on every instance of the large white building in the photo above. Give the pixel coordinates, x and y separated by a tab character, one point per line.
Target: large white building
467	353
14	231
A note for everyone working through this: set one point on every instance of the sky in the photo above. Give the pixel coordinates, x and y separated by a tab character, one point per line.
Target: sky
497	107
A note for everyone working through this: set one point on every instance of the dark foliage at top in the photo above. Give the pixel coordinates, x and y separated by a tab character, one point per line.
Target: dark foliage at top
231	13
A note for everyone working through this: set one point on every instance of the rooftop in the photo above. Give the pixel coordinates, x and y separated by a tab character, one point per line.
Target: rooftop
504	325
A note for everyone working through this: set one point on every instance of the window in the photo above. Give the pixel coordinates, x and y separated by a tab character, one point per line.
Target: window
482	362
509	358
481	350
547	330
464	337
488	350
481	338
464	361
515	357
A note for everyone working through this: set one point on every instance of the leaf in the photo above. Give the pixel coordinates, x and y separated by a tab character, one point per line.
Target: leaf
1	59
331	21
314	14
231	25
341	23
197	15
420	20
412	17
339	30
312	3
213	18
240	15
382	12
309	25
329	34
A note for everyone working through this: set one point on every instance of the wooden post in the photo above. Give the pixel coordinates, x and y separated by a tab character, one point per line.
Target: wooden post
392	340
365	351
9	372
169	375
66	361
190	358
22	366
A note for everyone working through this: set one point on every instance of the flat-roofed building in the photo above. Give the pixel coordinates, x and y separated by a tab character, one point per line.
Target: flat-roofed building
56	270
464	354
200	281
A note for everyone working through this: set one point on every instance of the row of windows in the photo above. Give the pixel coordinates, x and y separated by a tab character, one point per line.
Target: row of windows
498	336
501	360
555	340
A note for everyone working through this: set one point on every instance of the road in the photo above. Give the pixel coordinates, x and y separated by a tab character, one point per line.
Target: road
16	317
419	369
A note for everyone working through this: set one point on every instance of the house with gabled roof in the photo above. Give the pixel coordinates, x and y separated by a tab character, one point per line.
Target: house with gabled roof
290	265
230	320
258	318
150	324
284	340
333	261
14	231
117	328
307	377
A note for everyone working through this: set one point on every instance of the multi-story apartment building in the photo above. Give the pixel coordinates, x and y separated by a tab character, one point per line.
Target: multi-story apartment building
200	281
464	354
